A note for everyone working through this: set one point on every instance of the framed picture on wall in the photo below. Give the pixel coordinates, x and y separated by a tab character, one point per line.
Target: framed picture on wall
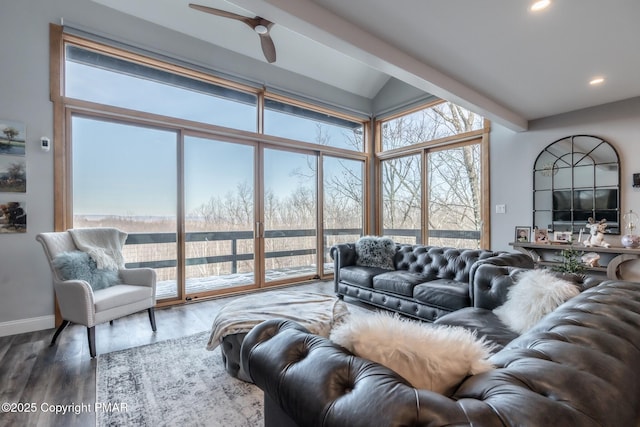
13	217
523	234
13	167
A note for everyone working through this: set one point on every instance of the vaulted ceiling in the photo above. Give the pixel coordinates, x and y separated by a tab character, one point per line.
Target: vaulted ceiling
495	57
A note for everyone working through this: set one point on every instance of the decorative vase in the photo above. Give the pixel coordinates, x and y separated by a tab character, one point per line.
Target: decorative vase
630	239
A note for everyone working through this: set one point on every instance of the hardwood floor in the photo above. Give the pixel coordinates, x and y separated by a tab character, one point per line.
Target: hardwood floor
39	380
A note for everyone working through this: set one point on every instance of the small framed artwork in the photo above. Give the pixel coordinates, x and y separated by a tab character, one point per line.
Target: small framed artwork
562	236
523	234
13	167
541	235
13	217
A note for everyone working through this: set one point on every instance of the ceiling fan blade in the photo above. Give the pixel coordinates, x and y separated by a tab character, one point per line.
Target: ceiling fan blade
258	24
268	48
219	12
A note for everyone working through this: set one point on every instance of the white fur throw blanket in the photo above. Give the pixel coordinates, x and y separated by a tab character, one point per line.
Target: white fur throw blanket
104	245
316	312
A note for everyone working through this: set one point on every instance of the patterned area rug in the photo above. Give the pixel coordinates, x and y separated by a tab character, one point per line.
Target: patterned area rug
174	383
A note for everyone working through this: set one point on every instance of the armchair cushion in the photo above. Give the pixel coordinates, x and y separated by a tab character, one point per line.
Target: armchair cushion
120	295
77	265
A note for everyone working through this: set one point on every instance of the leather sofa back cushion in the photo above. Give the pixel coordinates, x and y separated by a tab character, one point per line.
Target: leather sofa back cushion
439	262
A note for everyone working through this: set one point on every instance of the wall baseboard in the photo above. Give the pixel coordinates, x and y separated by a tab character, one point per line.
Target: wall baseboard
27	325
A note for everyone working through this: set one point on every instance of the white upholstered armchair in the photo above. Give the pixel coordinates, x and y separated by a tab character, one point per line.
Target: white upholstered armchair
132	290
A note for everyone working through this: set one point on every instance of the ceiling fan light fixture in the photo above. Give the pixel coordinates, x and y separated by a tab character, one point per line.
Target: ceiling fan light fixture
261	29
538	5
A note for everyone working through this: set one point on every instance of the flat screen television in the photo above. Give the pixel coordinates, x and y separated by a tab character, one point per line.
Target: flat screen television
601	205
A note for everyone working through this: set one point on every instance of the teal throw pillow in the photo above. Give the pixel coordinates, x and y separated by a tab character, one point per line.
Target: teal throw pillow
78	265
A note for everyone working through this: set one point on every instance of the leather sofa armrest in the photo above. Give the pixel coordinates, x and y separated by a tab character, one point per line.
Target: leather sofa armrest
317	382
343	255
503	259
491	284
509	259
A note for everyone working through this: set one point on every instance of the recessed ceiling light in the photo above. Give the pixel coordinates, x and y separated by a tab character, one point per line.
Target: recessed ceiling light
596	81
538	5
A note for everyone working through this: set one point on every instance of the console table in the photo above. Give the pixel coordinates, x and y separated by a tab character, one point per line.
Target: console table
615	262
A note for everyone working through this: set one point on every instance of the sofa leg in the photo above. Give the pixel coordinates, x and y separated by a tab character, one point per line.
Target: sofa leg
91	335
152	318
63	325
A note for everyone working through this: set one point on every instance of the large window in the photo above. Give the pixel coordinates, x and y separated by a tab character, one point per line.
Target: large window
442	120
304	124
97	77
179	159
402	198
432	166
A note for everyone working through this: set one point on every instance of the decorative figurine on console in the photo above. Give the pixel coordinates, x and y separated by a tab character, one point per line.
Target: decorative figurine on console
591	259
596	231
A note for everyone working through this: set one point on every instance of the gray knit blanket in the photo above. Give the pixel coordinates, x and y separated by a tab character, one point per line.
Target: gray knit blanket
316	312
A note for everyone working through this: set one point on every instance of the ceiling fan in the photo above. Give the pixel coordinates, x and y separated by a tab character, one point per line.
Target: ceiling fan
257	24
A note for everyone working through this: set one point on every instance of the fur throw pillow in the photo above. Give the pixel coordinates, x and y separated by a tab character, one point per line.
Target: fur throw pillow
375	251
78	265
535	293
431	357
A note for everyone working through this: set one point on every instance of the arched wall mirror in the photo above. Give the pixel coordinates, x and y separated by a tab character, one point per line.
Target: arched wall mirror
575	178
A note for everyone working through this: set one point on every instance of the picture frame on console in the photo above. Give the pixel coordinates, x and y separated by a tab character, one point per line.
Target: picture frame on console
541	235
562	236
522	234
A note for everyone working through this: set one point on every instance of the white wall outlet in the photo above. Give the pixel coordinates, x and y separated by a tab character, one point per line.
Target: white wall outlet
500	209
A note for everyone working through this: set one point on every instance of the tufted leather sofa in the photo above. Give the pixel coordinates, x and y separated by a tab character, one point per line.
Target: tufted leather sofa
428	281
578	367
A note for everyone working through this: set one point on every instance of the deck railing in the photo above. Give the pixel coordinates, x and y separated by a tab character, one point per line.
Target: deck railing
235	236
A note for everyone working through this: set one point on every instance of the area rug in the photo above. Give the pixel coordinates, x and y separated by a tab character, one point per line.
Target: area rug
173	383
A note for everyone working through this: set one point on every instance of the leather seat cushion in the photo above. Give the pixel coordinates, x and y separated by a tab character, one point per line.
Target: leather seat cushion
447	293
398	282
483	321
359	275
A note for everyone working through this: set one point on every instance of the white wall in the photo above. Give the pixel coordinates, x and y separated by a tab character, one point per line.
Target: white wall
513	154
26	295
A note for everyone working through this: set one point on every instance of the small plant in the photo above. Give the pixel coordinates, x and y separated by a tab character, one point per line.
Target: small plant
571	261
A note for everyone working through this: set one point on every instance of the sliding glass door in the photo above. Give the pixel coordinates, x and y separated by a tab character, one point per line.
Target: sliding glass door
290	215
219	215
343	203
125	176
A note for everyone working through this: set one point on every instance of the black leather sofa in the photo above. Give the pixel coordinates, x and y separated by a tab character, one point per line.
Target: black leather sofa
578	367
428	281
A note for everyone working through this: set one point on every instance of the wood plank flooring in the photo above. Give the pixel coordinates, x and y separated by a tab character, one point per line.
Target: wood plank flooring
40	377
